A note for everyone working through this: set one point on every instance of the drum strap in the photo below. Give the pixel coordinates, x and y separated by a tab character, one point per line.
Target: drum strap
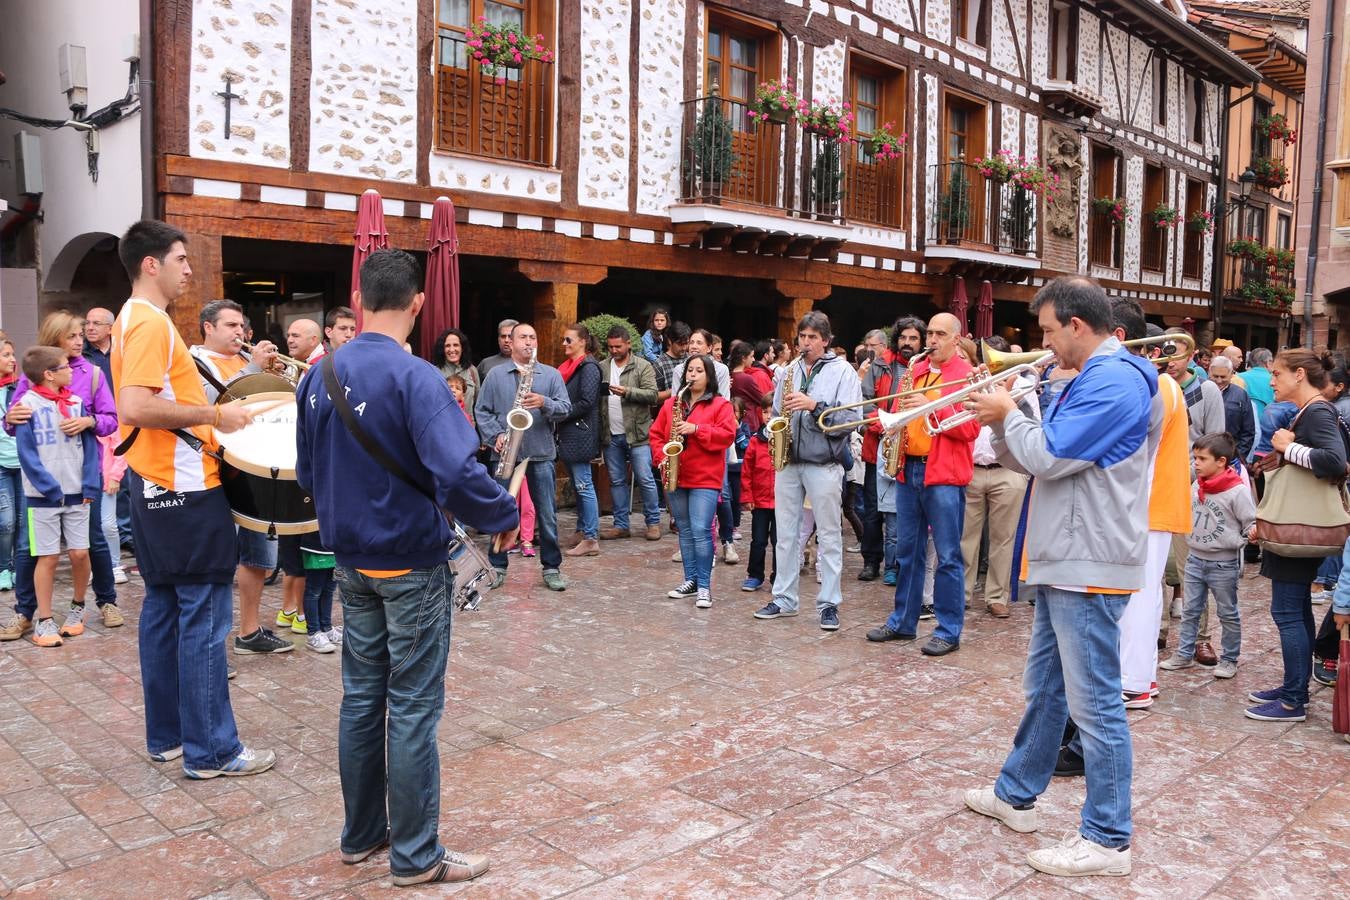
187	437
344	410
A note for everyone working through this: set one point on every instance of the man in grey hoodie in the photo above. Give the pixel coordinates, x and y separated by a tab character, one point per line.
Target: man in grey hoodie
815	469
1087	530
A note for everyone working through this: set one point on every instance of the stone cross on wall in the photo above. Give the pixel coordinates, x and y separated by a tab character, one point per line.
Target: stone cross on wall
227	95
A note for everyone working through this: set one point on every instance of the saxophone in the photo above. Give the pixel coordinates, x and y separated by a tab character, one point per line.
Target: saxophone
518	421
780	429
893	445
674	447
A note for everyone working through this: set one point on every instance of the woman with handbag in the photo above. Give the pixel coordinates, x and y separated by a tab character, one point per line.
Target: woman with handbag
579	433
1302	508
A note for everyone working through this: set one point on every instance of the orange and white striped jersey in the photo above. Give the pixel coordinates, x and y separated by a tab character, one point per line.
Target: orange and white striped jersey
147	351
1169	501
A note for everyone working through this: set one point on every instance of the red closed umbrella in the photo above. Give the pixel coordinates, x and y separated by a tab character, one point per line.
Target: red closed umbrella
1340	700
370	236
960	304
984	312
441	310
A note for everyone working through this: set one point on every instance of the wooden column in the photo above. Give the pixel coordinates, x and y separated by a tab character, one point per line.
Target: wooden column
555	300
207	284
798	298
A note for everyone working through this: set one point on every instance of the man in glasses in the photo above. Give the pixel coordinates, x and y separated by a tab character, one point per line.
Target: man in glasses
98	339
504	349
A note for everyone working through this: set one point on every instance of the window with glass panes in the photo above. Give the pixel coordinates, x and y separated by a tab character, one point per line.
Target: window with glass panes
505	114
738	55
1152	239
874	187
1193	251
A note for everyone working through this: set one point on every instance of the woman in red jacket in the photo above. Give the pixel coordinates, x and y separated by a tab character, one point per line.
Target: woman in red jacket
708	428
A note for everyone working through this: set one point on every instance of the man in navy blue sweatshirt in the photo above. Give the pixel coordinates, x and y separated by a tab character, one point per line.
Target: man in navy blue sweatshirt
390	542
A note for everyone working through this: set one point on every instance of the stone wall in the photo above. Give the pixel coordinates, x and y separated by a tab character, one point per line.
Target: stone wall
602	179
660	95
248	44
363	93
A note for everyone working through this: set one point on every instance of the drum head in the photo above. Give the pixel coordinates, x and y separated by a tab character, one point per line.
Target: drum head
268	442
257	383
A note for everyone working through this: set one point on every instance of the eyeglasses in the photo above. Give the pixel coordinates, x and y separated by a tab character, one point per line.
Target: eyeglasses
60	367
568	340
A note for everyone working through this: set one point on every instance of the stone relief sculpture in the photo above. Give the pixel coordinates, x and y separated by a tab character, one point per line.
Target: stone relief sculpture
1063	157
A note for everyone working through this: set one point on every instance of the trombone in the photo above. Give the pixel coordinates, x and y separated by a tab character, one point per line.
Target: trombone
998	367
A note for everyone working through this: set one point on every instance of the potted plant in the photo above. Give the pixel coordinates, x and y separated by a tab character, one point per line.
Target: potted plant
1277	128
826	172
1164	216
829	119
710	148
1270	171
999	166
1114	208
954	204
1201	222
496	47
774	102
885	144
1031	176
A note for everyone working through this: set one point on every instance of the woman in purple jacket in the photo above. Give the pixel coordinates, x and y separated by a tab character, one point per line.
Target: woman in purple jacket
66	331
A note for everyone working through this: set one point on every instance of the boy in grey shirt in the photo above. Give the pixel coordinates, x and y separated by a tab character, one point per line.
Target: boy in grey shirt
59	460
1224	519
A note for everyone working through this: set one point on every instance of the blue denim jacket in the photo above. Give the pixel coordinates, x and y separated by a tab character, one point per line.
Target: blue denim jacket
1340	598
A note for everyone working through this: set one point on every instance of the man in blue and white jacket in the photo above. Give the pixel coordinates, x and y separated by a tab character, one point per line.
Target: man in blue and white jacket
1086	547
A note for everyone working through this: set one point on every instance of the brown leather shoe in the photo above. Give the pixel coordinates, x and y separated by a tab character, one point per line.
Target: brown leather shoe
452	867
653	532
613	534
1204	654
584	548
998	610
574	539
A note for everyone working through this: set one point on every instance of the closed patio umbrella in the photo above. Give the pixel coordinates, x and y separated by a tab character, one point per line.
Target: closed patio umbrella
441	310
370	236
960	304
984	312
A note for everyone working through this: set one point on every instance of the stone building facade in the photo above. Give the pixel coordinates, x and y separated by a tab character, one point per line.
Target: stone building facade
576	181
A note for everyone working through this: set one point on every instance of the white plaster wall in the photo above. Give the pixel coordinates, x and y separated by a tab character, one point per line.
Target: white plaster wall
603	163
1040	44
660	87
930	150
827	77
363	91
894	11
247	42
1009	136
938	24
495	176
1134	196
1090	52
1003	52
1114	77
77	211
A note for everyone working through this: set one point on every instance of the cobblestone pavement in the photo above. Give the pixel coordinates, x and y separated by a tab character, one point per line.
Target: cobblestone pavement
608	741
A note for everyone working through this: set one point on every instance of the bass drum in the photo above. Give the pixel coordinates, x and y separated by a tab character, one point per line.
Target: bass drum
258	469
257	383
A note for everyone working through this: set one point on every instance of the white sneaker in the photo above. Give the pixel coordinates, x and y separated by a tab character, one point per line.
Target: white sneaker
319	642
1175	611
335	634
119	575
704	600
1076	855
729	554
683	592
676	556
1225	669
1321	598
985	802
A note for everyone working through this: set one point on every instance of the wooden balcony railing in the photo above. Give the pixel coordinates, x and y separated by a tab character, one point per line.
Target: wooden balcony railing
729	154
1253	283
504	115
967	208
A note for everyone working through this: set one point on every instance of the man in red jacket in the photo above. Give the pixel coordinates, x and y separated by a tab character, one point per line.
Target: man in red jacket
931	494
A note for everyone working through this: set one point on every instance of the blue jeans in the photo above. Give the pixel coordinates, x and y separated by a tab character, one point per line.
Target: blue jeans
124	512
694	509
1329	572
394	647
888	542
588	507
318	600
918	508
539	475
1220	577
11	489
872	542
182	635
725	524
1078	676
1291	608
618	456
100	563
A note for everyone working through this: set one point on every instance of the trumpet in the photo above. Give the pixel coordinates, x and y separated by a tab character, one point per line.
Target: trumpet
288	360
